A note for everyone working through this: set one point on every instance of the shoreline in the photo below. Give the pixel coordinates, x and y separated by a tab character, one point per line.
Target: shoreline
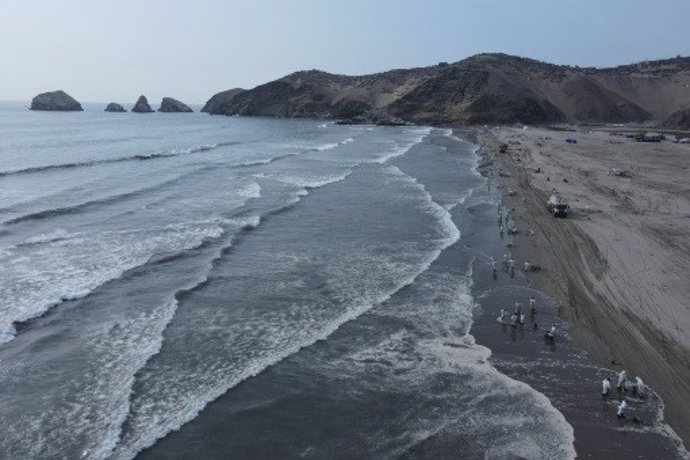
573	265
561	372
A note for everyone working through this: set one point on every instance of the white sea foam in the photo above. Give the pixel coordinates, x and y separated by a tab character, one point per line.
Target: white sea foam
36	277
252	190
333	145
418	134
137	357
661	427
311	181
117	350
325	147
57	235
175	406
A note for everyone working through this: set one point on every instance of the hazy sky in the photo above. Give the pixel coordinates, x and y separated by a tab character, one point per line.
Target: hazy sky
114	50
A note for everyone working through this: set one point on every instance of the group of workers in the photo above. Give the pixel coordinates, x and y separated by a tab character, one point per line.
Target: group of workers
517	319
624	384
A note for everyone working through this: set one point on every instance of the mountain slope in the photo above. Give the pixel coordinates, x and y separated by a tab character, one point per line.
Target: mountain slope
486	88
678	120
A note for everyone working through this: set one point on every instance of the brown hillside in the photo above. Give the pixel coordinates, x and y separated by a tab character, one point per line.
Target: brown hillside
486	88
678	120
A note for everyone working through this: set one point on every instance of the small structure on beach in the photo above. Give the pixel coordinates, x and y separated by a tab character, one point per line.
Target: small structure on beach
619	172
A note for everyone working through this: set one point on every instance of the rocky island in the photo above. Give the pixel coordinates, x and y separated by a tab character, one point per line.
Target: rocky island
483	89
142	106
56	101
170	105
114	107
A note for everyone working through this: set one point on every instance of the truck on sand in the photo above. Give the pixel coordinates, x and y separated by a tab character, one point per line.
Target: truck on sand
557	206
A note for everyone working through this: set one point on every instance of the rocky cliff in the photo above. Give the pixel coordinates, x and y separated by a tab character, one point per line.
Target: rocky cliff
171	105
114	107
486	88
55	100
142	106
224	97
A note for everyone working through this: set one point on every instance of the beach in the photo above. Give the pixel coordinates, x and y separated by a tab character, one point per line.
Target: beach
616	267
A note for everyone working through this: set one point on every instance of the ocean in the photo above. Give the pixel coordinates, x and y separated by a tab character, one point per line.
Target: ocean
222	287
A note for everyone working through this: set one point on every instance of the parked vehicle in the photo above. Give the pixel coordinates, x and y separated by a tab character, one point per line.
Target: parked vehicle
557	206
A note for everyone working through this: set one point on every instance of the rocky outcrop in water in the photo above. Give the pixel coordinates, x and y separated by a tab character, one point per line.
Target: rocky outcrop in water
56	100
219	99
114	107
171	105
142	106
486	88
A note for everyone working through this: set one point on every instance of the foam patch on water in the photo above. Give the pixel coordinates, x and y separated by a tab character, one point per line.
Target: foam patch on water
311	181
57	235
46	270
664	429
103	392
253	190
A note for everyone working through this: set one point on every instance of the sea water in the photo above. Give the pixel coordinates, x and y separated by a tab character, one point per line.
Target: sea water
308	274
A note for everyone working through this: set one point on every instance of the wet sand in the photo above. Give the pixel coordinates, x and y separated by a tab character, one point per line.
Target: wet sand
617	267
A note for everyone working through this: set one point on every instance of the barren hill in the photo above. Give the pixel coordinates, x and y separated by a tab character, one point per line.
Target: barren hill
486	88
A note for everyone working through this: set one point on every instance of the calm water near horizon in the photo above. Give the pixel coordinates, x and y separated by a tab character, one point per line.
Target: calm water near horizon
150	263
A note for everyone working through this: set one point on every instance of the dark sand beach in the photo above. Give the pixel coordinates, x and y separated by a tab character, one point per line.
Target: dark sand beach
614	269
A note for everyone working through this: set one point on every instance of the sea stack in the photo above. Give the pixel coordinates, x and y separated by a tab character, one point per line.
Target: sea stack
170	105
114	107
142	106
57	101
